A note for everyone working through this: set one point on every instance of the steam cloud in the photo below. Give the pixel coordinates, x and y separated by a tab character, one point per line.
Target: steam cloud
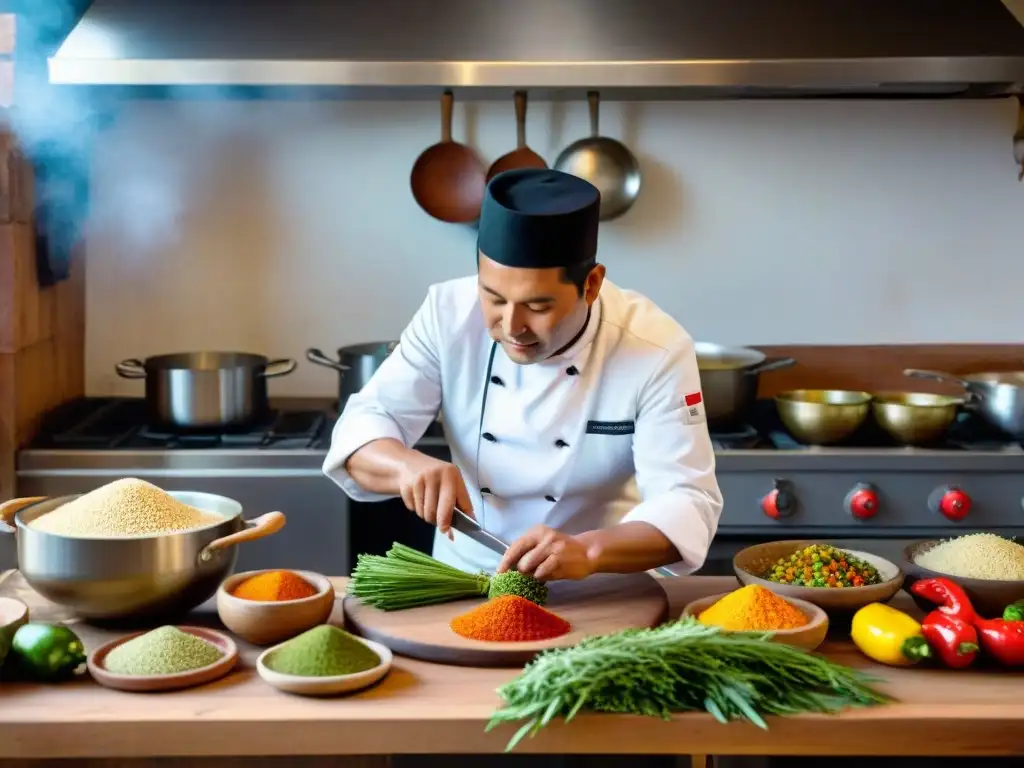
58	127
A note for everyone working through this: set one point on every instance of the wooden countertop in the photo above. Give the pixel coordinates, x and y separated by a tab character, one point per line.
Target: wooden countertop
429	709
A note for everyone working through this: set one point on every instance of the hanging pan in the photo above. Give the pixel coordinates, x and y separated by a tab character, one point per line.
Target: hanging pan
606	163
448	179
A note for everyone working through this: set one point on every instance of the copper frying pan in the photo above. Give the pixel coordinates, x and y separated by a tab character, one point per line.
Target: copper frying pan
448	179
522	156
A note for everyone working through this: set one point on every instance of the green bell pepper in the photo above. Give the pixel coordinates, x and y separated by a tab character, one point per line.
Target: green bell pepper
1014	611
47	652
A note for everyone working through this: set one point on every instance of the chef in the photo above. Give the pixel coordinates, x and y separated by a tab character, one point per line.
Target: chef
572	407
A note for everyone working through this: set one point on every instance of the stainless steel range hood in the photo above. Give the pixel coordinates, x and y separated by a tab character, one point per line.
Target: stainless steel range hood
694	48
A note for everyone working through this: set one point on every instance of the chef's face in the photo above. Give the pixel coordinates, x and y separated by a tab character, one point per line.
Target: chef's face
533	313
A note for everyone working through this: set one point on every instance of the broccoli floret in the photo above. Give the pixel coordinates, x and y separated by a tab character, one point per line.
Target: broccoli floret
516	583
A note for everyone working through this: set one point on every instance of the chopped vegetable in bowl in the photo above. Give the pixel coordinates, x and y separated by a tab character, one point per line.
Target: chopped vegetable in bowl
820	565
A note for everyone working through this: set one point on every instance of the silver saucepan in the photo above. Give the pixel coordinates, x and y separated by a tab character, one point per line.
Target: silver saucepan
997	396
729	379
132	577
204	390
355	365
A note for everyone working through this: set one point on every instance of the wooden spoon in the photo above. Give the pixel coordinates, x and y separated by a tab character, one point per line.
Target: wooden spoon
522	156
448	180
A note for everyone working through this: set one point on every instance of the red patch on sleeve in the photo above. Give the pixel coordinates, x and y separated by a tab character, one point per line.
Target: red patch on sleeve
692	399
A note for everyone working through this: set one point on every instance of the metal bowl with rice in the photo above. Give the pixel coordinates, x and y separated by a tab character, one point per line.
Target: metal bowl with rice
146	576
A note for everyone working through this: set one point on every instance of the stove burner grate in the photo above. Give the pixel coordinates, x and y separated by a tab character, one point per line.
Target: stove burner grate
736	438
121	424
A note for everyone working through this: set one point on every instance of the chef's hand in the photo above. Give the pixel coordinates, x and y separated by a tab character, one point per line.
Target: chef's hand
548	554
433	489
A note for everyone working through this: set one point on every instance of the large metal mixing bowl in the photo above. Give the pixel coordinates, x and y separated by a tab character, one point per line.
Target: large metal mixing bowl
144	578
822	416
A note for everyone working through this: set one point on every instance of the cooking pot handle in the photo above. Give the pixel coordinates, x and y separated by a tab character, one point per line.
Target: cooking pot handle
316	356
10	508
770	365
257	528
132	368
947	378
279	368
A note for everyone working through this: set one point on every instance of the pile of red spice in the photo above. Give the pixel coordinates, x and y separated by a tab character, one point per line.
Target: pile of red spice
510	619
274	586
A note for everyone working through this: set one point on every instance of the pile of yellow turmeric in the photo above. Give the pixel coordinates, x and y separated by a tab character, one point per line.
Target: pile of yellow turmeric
753	609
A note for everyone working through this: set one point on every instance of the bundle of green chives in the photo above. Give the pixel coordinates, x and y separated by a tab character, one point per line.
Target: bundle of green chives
407	578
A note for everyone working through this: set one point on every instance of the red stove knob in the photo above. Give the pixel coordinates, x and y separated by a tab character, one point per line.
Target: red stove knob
780	501
862	501
952	502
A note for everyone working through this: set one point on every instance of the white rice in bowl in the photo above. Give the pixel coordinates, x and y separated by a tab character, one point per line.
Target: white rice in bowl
976	556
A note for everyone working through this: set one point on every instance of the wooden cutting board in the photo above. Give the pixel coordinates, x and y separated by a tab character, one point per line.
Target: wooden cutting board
598	605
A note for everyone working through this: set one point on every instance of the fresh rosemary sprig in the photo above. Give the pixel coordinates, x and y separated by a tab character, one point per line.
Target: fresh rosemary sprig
679	667
407	578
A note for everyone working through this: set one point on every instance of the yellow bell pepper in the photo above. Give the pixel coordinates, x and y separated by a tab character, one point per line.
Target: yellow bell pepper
888	636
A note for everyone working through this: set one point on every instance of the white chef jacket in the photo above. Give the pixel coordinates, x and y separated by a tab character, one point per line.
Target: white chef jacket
611	430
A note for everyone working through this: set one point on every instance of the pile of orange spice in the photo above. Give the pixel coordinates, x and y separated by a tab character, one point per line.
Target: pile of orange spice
510	619
753	609
274	586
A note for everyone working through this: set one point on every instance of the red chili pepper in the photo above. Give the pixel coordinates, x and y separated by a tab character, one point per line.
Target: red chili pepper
1002	640
954	640
949	596
949	628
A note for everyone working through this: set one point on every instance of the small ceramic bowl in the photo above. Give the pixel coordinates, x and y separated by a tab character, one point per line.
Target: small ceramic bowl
751	562
326	686
988	596
146	683
13	614
268	622
808	637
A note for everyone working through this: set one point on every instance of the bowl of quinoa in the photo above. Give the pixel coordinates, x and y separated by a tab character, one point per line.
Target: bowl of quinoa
129	549
989	567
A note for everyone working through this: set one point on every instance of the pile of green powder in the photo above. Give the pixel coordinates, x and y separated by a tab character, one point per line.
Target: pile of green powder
164	651
323	651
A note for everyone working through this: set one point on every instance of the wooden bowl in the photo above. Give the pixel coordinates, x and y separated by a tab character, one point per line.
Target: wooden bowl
808	637
268	622
146	683
753	561
988	596
326	686
13	614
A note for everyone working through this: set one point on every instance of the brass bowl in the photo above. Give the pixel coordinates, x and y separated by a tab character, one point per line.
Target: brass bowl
822	416
915	418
